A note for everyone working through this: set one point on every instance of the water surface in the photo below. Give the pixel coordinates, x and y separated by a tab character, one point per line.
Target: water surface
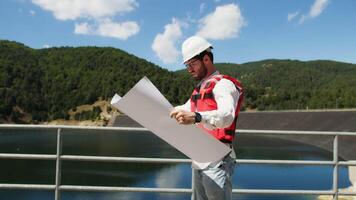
145	144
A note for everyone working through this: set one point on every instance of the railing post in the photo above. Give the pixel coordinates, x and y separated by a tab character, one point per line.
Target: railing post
336	170
58	165
193	185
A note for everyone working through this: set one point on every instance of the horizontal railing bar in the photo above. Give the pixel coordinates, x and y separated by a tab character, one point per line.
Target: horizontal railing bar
347	163
286	132
124	159
347	193
284	162
243	131
27	186
31	126
161	160
28	156
287	192
123	189
178	160
163	190
187	190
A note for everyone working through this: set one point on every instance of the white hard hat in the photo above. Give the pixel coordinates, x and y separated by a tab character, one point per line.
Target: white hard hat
194	46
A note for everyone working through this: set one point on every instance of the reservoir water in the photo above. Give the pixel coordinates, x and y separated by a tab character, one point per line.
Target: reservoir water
145	144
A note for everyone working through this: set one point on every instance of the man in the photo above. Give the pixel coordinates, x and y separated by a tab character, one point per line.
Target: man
214	106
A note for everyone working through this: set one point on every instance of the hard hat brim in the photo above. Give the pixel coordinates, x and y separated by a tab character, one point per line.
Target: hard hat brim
208	49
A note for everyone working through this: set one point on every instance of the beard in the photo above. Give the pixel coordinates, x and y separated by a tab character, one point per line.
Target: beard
202	73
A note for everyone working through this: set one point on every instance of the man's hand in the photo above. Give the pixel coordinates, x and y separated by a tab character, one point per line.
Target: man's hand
183	117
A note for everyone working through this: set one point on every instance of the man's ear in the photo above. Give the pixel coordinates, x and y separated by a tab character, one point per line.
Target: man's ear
206	58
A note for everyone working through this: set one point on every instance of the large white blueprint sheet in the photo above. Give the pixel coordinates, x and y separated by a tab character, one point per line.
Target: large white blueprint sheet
145	104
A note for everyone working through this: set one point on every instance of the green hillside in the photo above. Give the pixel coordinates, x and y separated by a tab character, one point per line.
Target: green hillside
47	83
292	84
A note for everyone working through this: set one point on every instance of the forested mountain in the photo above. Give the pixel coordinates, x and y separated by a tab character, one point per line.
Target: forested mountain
49	82
292	84
46	83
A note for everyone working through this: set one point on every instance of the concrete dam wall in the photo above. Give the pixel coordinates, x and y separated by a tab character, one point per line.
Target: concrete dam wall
344	121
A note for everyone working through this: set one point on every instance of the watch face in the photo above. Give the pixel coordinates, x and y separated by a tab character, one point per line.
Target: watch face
197	117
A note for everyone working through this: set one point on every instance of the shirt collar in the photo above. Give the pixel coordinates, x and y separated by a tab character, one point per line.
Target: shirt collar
212	74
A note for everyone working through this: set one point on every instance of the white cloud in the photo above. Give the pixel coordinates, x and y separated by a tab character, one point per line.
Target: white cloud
291	16
83	28
108	28
164	44
303	18
96	16
118	30
46	46
169	177
202	7
315	10
32	13
225	22
318	7
74	9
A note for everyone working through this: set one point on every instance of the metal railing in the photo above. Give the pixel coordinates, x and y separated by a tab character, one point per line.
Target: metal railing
59	157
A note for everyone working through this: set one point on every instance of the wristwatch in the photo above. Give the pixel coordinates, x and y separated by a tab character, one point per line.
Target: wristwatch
197	117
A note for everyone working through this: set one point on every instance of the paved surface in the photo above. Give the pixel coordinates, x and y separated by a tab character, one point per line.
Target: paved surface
307	121
299	121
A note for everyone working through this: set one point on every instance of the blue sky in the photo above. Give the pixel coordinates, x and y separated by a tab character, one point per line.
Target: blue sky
240	30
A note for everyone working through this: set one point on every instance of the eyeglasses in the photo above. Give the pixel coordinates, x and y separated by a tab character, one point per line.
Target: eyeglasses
191	63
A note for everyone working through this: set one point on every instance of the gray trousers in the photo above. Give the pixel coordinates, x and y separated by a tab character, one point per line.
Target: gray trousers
214	183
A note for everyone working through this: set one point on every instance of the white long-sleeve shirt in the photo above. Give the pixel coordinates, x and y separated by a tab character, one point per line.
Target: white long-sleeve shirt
226	96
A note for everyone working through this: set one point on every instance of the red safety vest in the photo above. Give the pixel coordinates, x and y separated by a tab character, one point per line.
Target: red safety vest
203	99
